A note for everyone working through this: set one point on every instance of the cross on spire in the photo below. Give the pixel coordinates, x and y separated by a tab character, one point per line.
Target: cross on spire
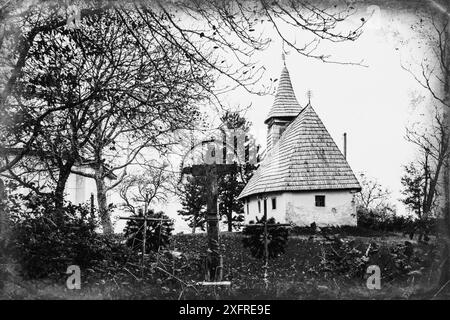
283	53
309	95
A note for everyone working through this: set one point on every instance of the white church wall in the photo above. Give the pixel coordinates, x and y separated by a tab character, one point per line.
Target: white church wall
79	189
300	208
278	213
339	209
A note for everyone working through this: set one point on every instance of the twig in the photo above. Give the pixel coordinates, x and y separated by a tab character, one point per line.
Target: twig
442	288
131	274
368	249
176	278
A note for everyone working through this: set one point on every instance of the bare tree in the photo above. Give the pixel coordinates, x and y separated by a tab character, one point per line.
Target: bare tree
425	176
141	189
157	95
209	31
373	195
21	23
434	76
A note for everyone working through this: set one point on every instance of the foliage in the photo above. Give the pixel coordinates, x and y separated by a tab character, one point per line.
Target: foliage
157	234
193	202
343	257
277	238
231	184
355	231
7	196
349	258
382	220
232	139
406	271
416	184
47	242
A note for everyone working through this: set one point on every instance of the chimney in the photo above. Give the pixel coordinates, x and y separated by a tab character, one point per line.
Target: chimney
345	145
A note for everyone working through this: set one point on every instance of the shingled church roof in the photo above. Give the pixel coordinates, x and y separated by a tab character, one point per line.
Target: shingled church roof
305	158
285	104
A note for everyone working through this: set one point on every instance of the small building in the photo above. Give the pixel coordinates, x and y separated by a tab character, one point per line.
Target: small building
79	189
304	177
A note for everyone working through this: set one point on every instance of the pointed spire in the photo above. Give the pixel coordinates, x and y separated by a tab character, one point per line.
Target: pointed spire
285	104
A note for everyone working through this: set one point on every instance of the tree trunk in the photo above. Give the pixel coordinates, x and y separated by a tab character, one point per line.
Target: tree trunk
230	220
2	209
100	176
64	174
445	228
5	265
445	271
194	224
212	220
4	217
103	211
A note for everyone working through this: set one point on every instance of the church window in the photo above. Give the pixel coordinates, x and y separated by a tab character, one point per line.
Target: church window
259	206
274	203
320	201
248	211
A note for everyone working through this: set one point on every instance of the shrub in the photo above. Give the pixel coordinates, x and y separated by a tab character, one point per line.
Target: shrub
6	245
350	258
342	256
277	238
47	240
382	220
157	235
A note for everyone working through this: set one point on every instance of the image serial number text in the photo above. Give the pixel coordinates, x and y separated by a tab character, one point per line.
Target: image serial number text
227	309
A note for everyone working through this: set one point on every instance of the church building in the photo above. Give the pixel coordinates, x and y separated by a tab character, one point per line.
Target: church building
304	178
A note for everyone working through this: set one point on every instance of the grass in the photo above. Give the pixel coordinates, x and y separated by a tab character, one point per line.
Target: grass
313	267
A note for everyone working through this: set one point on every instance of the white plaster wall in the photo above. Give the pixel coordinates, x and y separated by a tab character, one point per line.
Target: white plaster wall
300	208
339	209
79	189
279	213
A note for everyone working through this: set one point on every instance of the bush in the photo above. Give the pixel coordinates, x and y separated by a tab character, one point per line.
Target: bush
254	239
382	221
157	235
47	241
344	257
398	261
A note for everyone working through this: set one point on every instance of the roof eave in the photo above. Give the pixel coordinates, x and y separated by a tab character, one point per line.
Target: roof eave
299	191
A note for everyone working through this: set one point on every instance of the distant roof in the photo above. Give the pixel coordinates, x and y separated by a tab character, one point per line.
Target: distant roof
305	158
285	104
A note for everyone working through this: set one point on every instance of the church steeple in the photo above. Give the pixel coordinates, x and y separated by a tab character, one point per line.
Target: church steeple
285	104
284	109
